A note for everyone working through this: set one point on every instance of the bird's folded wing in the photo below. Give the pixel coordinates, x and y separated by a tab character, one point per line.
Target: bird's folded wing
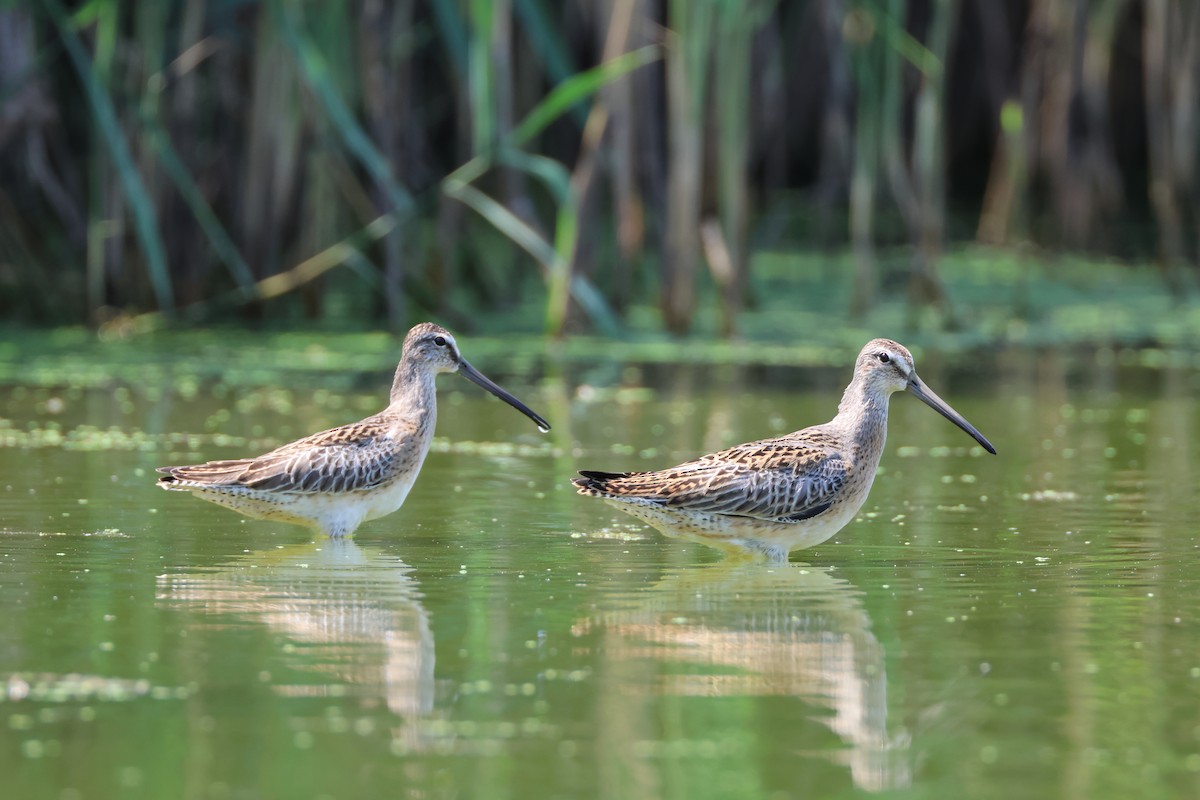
346	459
767	480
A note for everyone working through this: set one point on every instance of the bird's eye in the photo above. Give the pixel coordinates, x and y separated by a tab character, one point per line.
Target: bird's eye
440	341
884	358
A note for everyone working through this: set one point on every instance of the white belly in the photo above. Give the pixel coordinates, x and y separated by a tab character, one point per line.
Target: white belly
384	501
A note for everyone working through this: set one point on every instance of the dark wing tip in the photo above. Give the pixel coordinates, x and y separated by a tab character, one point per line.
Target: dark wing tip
597	475
809	513
170	475
168	479
593	481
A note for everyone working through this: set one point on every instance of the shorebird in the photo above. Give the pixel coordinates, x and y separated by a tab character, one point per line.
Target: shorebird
335	480
777	495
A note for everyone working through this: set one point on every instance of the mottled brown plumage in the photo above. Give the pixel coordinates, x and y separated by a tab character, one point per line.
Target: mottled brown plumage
335	480
781	494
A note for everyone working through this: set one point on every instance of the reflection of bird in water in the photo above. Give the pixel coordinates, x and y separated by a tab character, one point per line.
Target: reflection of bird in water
357	611
335	480
788	631
777	495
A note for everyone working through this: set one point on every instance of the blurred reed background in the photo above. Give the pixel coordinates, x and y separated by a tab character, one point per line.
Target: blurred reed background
377	160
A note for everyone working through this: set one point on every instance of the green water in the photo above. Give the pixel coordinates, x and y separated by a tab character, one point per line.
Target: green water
1026	625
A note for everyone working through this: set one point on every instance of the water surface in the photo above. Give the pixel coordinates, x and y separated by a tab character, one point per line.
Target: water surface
1014	626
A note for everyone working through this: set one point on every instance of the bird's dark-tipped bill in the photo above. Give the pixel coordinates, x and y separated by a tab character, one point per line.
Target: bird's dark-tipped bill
477	377
927	396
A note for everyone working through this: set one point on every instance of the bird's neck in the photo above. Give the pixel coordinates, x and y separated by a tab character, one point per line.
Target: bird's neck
863	413
414	391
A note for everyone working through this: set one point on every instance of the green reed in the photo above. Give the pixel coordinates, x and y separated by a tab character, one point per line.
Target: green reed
568	159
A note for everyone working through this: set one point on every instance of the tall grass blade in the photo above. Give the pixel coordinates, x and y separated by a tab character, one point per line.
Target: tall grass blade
547	45
566	235
687	87
547	42
929	162
316	73
891	25
140	205
525	237
481	91
594	305
550	172
453	31
507	223
556	257
580	87
735	25
868	67
346	252
220	240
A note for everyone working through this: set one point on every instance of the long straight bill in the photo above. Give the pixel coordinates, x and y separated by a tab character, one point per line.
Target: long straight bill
477	377
927	396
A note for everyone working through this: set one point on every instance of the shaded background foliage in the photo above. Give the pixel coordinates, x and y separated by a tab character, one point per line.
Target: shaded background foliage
369	161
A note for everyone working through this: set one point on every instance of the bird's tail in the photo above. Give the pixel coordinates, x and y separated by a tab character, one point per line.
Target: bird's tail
213	473
596	483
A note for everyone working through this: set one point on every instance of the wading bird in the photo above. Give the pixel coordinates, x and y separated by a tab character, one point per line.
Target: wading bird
777	495
335	480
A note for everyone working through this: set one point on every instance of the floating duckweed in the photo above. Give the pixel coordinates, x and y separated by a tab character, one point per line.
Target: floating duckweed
188	387
1049	496
91	438
54	688
32	748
